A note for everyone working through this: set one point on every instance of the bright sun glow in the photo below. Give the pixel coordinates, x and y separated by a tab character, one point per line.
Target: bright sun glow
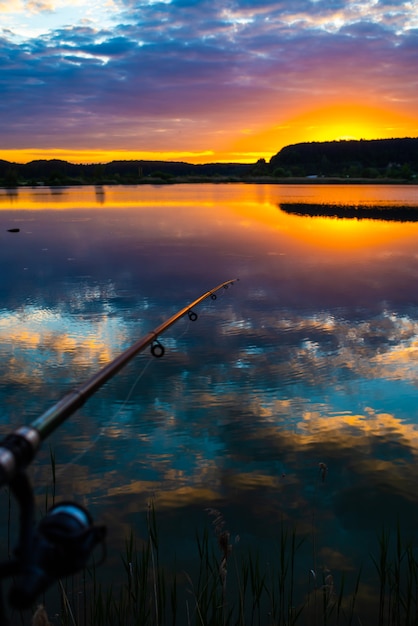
329	123
103	156
353	121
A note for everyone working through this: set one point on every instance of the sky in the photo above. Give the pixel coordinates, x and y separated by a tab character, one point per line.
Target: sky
202	80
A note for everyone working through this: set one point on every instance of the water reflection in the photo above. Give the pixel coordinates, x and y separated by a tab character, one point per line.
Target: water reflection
311	358
100	194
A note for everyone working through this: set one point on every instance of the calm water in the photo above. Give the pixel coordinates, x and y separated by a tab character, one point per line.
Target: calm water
311	358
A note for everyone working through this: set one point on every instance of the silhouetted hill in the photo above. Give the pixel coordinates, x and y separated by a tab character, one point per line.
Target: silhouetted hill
371	158
380	158
54	171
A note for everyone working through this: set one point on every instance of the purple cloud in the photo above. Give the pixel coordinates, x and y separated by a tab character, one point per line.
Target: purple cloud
198	67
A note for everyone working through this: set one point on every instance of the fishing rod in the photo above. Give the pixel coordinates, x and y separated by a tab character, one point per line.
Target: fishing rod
65	537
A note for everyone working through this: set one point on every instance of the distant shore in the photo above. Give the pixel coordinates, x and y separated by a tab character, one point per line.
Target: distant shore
256	180
377	162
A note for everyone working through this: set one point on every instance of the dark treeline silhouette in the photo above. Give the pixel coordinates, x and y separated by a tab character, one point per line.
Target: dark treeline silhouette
389	213
395	159
57	172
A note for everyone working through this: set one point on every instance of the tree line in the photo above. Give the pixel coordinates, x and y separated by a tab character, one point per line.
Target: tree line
59	172
394	159
378	158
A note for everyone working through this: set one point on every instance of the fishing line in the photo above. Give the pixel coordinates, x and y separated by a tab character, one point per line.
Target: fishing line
188	319
103	429
62	543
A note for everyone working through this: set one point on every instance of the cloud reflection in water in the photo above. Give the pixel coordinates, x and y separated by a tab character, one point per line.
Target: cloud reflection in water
311	358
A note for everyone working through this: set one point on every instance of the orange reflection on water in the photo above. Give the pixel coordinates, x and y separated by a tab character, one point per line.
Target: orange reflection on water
328	233
103	197
27	339
343	235
179	495
370	422
237	211
400	362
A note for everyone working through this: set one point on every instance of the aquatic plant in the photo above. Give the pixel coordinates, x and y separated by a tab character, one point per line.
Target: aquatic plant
227	588
233	584
397	568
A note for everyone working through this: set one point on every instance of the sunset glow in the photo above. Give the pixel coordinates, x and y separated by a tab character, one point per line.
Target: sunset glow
343	236
114	80
331	123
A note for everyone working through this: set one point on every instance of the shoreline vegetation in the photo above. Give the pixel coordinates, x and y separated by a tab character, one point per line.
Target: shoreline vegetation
386	213
378	161
228	582
232	587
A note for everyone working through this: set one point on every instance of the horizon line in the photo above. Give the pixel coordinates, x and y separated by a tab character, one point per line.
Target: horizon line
190	158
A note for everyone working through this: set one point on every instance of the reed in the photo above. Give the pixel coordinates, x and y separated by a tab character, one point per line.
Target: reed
228	588
397	569
281	589
233	585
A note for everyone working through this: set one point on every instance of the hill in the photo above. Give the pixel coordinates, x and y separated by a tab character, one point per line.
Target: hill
55	171
394	158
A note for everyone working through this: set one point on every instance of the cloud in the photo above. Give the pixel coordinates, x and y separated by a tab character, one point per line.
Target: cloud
11	6
38	6
218	66
24	6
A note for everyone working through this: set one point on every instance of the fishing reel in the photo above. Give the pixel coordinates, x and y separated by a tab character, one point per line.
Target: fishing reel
58	547
63	541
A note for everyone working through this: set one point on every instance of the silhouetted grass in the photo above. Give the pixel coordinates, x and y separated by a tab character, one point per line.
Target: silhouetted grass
248	589
229	587
233	585
397	568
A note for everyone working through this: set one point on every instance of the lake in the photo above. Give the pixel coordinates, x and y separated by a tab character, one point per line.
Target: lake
291	400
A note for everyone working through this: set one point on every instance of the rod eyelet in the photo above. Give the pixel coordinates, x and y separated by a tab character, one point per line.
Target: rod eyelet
192	316
157	349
